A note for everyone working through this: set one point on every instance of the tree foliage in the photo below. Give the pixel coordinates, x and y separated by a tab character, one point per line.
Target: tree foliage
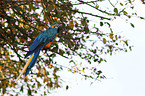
80	46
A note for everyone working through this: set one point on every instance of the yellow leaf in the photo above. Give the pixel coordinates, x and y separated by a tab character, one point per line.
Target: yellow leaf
74	70
41	27
3	76
2	52
71	24
83	71
21	20
12	15
9	61
111	36
26	26
13	85
124	12
21	24
49	66
3	21
35	78
104	41
96	6
45	80
0	67
43	71
21	12
3	61
22	6
18	40
27	79
6	10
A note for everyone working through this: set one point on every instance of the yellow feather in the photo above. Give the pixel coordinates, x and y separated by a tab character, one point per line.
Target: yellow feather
52	26
25	67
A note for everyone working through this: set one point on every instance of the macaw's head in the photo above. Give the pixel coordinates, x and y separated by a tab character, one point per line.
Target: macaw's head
58	26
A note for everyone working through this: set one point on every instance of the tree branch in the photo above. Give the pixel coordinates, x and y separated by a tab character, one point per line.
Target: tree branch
94	15
95	8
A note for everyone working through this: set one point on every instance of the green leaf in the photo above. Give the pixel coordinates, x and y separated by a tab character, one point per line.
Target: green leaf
132	25
129	16
55	49
108	24
99	72
21	88
130	1
95	60
142	18
126	42
45	93
61	52
29	91
86	29
130	48
67	87
87	37
121	4
111	30
12	55
115	10
101	23
83	22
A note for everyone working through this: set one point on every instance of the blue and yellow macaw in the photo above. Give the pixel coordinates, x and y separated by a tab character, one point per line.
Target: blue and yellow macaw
43	39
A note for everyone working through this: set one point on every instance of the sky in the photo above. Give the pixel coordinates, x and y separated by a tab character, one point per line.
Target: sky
124	71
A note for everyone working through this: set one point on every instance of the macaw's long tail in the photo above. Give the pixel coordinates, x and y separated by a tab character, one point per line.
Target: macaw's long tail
30	63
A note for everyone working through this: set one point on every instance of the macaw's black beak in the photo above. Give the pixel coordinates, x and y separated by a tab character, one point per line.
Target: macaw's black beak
60	28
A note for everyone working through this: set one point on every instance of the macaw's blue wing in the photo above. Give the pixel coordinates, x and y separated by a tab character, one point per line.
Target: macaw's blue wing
44	38
34	47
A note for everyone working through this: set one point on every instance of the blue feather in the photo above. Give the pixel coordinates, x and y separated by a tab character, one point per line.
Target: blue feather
34	45
39	47
43	37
